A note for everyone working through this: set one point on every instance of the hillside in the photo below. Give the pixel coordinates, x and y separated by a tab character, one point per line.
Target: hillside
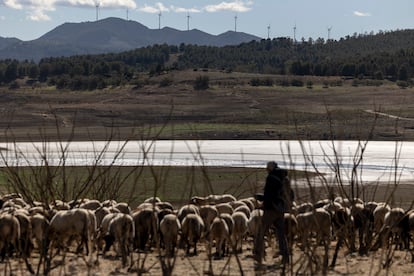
110	35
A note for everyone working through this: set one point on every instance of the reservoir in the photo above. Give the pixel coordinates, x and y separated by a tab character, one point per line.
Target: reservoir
372	161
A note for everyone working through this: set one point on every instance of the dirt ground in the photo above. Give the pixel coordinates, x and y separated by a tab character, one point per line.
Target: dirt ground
230	109
149	263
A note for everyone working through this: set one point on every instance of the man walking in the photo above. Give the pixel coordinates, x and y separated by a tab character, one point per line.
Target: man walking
276	197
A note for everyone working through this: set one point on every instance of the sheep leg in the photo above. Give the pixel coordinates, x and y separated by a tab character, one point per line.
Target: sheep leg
335	256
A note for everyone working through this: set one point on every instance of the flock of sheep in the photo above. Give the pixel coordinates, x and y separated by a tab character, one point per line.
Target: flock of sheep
221	222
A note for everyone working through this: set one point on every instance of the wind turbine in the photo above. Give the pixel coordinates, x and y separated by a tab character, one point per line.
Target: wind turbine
127	13
159	20
188	21
329	32
268	31
235	23
294	33
97	4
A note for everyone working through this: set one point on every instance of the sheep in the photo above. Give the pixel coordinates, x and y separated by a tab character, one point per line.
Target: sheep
162	213
103	231
59	205
146	228
219	232
123	207
243	209
100	213
164	205
230	225
250	202
236	204
392	227
67	223
152	200
379	215
187	209
224	208
317	221
169	229
9	234
208	213
40	226
303	208
254	222
90	204
239	230
108	203
122	231
364	223
25	244
192	226
212	199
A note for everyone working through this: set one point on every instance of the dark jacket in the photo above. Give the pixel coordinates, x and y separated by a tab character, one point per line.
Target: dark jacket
274	196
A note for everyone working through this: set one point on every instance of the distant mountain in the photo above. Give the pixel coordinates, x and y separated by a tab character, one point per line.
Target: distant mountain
107	36
6	42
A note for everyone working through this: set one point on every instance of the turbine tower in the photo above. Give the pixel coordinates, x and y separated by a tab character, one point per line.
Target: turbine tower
329	32
188	21
159	20
97	4
127	13
235	23
268	31
294	33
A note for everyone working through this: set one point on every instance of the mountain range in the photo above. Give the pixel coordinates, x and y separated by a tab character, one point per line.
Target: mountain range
110	35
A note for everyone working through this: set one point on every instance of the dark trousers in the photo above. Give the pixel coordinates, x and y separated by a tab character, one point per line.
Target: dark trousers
276	218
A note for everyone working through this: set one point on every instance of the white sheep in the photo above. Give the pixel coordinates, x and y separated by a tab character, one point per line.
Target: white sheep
192	227
169	229
90	204
187	209
40	226
68	223
379	215
244	209
219	232
123	207
208	213
224	208
9	233
392	228
122	231
212	199
239	230
254	222
317	222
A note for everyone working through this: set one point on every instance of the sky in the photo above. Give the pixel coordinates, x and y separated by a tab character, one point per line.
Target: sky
30	19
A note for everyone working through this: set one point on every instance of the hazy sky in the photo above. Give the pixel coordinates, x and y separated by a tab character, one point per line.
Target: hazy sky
30	19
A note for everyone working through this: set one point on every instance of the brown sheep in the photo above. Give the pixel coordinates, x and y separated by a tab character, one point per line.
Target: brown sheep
146	228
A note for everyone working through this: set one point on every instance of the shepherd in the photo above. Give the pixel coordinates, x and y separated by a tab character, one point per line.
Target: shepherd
277	198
